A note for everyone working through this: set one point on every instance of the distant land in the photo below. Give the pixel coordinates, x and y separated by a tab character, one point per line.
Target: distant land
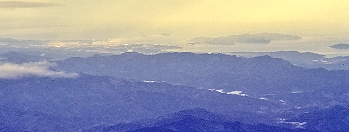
340	46
64	49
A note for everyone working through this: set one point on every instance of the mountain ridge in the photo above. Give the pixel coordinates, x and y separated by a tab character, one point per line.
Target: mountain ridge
254	77
97	99
195	120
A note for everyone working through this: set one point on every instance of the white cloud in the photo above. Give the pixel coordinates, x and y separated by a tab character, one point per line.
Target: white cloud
232	92
41	69
237	93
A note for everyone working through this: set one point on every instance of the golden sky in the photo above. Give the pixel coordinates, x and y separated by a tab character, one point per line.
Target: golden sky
145	20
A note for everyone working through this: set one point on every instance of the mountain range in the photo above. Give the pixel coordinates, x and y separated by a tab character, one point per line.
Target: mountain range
261	77
95	99
185	91
192	120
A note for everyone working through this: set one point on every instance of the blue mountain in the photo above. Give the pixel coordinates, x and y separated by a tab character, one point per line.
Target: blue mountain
262	77
18	57
334	119
192	120
76	103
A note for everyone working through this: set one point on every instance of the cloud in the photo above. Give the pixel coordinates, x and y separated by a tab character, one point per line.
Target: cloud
26	4
41	69
340	46
260	38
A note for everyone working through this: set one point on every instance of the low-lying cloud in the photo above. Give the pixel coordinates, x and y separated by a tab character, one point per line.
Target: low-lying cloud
26	4
41	69
260	38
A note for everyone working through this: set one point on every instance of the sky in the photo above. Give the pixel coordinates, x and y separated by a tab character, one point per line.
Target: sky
319	23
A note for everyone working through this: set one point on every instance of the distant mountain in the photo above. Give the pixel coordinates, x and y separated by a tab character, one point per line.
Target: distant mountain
192	120
18	58
261	77
340	46
119	89
332	119
19	120
340	62
199	70
89	100
304	59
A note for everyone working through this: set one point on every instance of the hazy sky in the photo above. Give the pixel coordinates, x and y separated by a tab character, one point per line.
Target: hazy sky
323	22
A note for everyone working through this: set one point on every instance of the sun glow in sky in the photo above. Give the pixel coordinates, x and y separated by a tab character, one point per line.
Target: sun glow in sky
177	21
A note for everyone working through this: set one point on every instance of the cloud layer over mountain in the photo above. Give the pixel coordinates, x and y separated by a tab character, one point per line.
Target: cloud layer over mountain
260	38
42	69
